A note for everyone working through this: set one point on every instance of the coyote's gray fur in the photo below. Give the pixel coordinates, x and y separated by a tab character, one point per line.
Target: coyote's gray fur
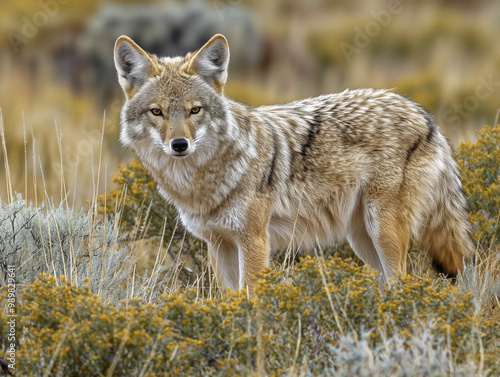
369	166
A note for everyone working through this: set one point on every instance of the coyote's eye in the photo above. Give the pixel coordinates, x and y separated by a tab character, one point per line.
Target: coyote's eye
195	110
156	112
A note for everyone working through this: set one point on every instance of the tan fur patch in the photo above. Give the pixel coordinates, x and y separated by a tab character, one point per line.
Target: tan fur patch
130	91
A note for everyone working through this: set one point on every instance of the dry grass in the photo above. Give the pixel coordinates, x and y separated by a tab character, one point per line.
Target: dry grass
61	132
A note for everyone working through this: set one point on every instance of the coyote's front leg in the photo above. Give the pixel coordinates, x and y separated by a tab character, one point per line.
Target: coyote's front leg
239	256
237	264
253	243
253	256
223	256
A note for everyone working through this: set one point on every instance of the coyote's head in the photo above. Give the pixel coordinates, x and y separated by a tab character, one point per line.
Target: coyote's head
174	106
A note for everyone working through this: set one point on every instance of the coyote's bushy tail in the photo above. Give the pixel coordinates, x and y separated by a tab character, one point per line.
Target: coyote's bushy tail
448	234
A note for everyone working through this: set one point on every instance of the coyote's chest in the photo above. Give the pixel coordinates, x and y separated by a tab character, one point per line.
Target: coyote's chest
231	219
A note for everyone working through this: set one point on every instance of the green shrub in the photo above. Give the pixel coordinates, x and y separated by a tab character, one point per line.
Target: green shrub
144	214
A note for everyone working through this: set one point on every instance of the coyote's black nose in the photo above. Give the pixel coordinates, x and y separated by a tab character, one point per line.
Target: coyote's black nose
179	145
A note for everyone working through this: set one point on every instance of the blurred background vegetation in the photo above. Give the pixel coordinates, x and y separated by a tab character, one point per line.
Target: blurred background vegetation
57	73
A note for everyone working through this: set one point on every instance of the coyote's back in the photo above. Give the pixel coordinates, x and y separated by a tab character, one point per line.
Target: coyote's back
369	166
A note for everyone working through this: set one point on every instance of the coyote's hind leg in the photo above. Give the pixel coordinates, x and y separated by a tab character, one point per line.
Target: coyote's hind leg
390	234
360	240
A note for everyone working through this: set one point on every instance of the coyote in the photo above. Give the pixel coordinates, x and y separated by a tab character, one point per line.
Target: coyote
369	166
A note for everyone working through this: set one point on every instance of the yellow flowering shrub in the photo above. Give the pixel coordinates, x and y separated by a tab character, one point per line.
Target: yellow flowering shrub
480	165
136	199
143	212
309	318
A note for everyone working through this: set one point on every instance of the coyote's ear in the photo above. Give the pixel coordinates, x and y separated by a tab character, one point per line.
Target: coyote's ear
211	61
133	64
